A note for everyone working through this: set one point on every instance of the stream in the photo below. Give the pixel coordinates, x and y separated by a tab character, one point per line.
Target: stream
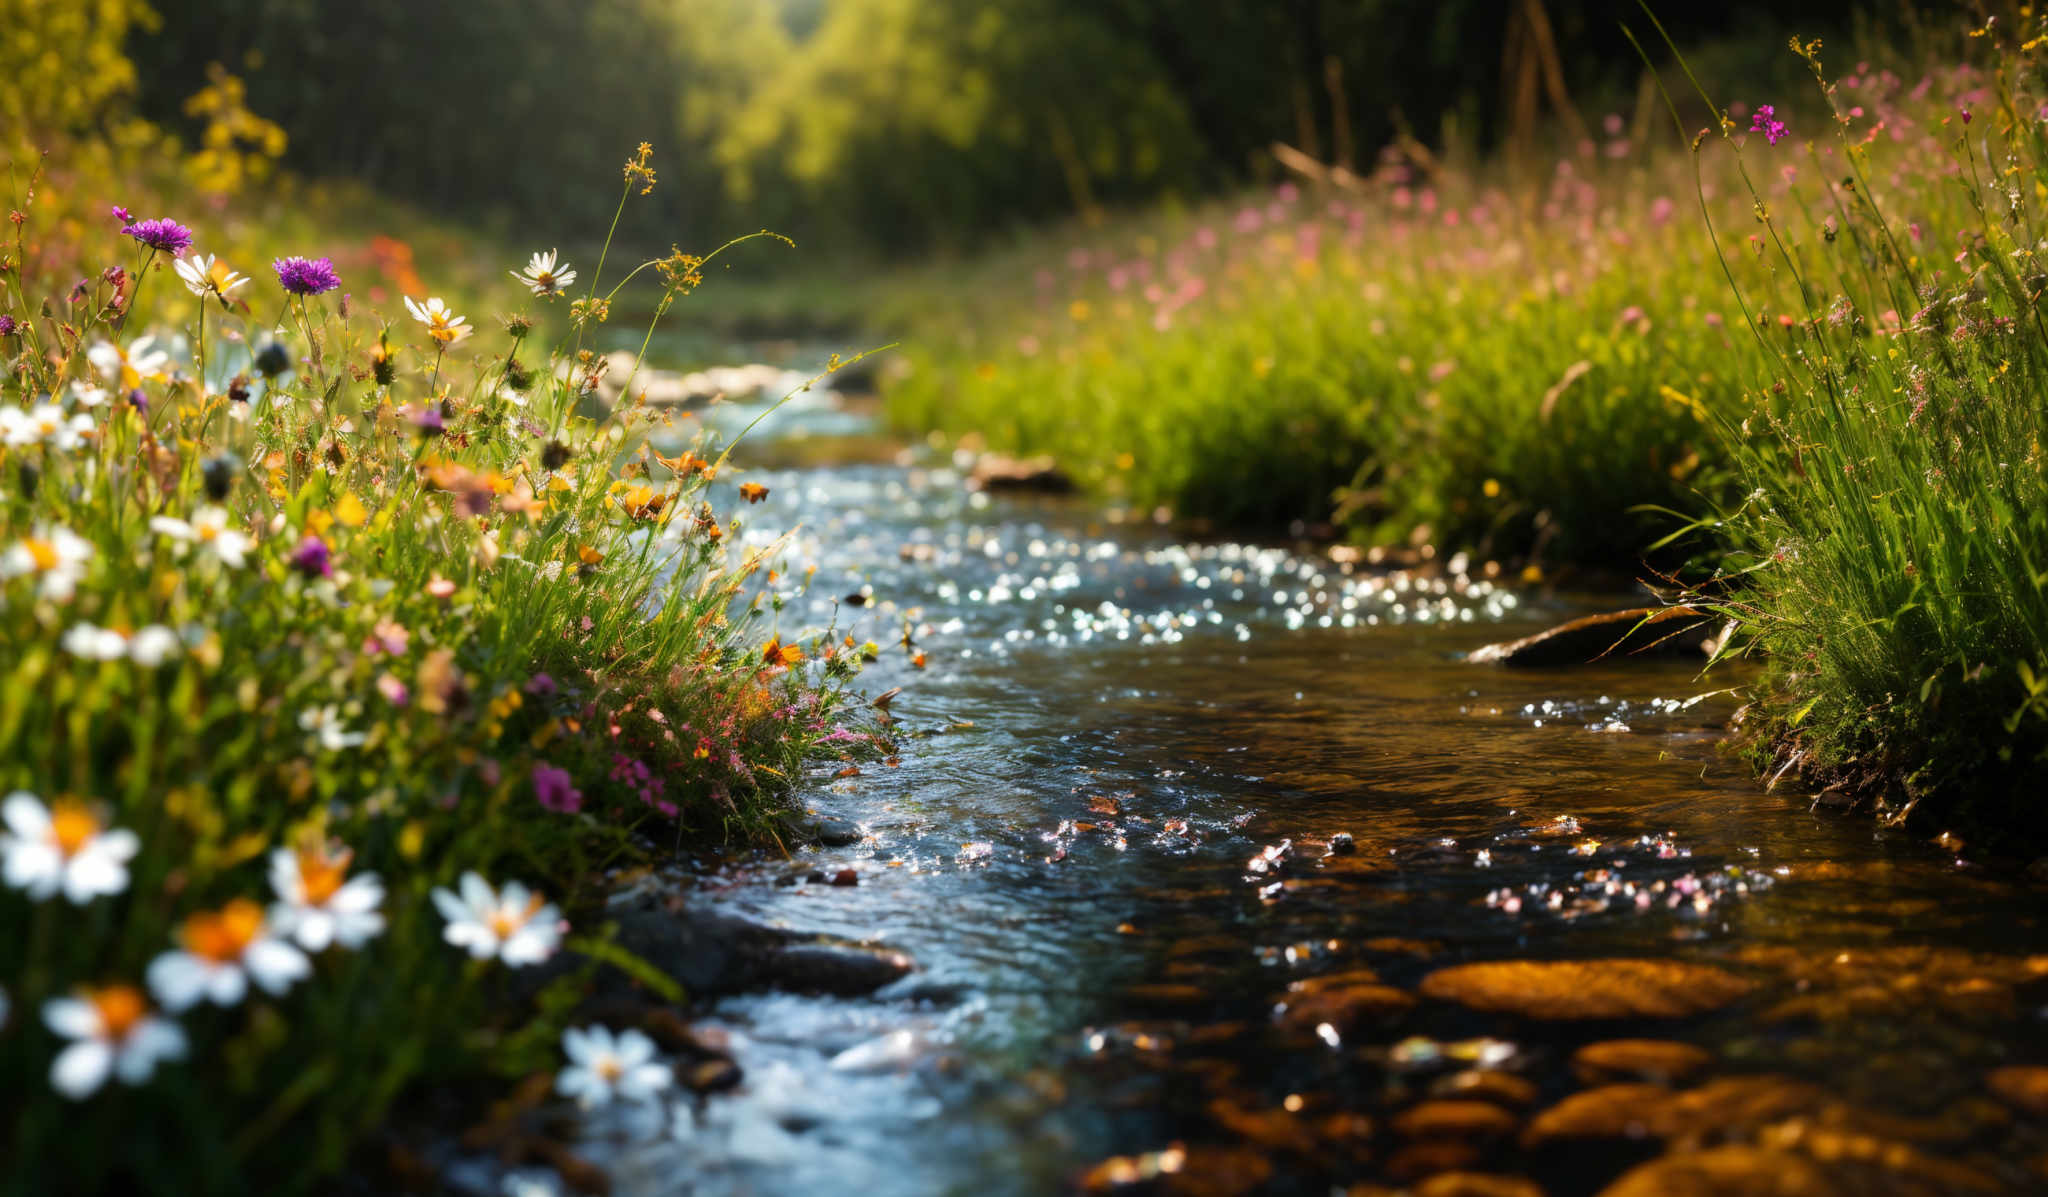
1193	844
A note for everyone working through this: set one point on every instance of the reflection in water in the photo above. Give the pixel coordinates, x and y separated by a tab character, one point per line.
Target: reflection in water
1191	841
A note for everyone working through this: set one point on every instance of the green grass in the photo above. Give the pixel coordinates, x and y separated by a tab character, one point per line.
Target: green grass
454	585
1892	552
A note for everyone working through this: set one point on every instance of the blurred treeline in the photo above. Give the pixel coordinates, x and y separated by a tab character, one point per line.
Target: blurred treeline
894	124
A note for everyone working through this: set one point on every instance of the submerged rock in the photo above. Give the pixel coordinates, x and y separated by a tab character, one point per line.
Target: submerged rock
1477	1184
832	968
1656	1060
1615	635
1587	989
2025	1088
1725	1172
1036	475
1451	1118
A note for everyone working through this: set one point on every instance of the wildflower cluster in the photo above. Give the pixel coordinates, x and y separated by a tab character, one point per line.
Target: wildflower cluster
315	627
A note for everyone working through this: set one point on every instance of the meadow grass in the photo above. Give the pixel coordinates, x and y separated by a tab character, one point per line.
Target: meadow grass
1890	554
346	656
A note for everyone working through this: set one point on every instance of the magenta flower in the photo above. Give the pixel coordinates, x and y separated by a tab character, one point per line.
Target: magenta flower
122	215
167	236
1766	122
552	787
306	276
312	558
8	327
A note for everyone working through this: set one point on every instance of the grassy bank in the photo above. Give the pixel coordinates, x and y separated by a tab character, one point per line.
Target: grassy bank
314	608
1793	351
1891	554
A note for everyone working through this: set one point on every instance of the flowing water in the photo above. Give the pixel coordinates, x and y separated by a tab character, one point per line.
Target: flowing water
1114	843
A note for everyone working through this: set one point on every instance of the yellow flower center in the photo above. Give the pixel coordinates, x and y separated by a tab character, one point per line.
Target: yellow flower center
120	1007
43	553
609	1067
222	936
505	921
321	875
72	825
206	533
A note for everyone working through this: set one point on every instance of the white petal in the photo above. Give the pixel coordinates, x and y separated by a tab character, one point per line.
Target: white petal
477	893
646	1080
26	816
34	866
274	964
81	1069
360	895
451	907
634	1048
352	931
178	979
93	872
226	984
284	876
313	928
73	1018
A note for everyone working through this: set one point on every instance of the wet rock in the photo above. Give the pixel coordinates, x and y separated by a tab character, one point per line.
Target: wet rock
1587	989
1343	1000
1272	1129
1341	844
1455	1119
1503	1089
2025	1088
829	830
1725	1172
846	877
1609	1112
1034	475
1428	1157
1613	636
706	952
710	1076
1477	1184
1655	1060
832	968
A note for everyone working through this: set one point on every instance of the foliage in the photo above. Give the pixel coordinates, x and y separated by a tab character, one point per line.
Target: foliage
887	124
64	63
1893	563
281	581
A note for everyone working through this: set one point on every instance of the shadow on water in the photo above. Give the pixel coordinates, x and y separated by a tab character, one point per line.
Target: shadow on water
1193	842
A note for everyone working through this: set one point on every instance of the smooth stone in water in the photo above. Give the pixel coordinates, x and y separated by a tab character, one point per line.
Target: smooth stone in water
833	968
1656	1060
1587	989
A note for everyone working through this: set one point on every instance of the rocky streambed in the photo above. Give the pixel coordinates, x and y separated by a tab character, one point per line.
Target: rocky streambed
1213	867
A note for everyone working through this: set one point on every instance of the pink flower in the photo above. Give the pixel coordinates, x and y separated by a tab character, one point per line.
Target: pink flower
551	786
1766	122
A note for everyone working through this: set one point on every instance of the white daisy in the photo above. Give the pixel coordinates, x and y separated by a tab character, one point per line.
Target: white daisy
45	424
144	360
224	950
114	1032
88	395
442	323
544	277
64	846
204	276
154	645
326	725
95	643
512	924
604	1067
209	530
316	906
56	555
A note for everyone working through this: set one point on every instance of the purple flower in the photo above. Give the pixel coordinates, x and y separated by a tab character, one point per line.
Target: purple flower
312	558
552	788
138	401
306	276
8	327
540	685
161	234
122	214
428	420
1766	122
